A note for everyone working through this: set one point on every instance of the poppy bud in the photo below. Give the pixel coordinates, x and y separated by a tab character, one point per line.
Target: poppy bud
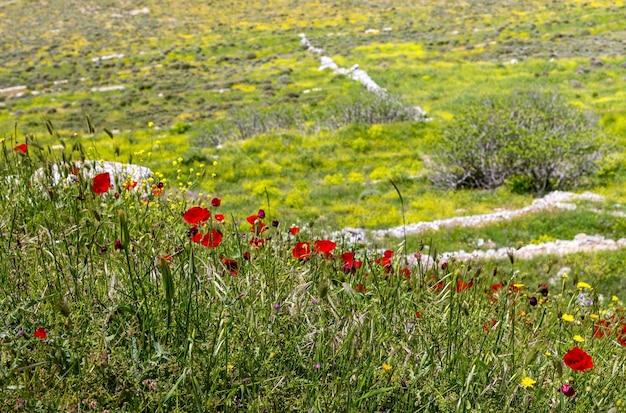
568	390
533	301
261	214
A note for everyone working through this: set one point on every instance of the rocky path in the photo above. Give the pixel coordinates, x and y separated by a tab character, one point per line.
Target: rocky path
553	200
356	74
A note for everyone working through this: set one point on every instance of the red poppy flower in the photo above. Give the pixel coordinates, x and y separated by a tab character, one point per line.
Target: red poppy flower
418	314
23	148
167	257
438	286
385	260
101	183
543	289
496	287
350	264
578	360
231	265
462	285
212	239
405	272
130	185
324	247
118	245
219	217
621	335
601	329
197	237
294	230
40	333
444	266
302	250
567	390
488	325
216	202
246	256
196	214
257	242
257	225
158	189
360	288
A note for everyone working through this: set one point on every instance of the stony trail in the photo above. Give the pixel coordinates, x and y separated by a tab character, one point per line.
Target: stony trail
553	200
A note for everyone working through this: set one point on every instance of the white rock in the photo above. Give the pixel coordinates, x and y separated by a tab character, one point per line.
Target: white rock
108	88
135	12
108	57
88	169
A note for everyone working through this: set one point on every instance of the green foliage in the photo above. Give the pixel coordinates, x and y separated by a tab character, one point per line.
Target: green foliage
180	128
138	317
532	141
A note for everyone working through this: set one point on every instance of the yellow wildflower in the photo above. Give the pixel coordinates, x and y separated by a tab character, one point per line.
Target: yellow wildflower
567	317
578	338
593	316
151	124
387	367
527	382
582	285
230	367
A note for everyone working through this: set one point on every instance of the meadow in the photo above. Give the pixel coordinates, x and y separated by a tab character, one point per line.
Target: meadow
218	285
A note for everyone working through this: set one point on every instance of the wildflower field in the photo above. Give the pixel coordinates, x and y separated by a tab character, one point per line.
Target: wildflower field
127	296
222	281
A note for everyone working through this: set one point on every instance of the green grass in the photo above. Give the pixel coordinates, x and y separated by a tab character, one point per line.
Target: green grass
140	318
128	330
210	72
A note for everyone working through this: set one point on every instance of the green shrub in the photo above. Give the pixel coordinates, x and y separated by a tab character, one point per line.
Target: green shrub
533	141
180	128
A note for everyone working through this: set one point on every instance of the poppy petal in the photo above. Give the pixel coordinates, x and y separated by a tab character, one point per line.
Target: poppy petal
101	183
196	214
